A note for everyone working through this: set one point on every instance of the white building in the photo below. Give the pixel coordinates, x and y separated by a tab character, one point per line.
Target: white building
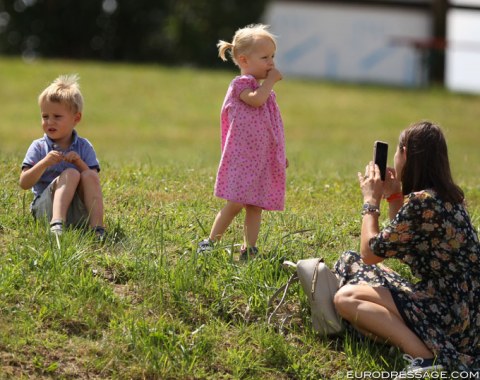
383	41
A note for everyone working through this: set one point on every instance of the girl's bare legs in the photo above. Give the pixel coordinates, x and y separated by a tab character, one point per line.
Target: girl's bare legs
374	313
90	192
253	217
65	187
223	219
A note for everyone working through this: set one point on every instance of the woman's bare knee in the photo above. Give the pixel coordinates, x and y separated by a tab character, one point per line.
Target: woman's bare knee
348	298
345	300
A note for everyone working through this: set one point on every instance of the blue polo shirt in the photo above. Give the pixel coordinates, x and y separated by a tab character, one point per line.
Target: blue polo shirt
40	148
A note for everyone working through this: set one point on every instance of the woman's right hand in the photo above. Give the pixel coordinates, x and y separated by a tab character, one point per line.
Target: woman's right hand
371	184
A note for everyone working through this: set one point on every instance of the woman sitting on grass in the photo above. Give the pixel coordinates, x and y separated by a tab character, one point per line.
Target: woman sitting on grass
436	320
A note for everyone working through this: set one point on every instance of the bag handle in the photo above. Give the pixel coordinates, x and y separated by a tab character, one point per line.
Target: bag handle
284	289
314	278
289	265
294	277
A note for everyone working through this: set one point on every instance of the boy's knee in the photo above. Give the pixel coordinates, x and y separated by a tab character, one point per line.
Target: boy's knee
67	177
90	176
70	172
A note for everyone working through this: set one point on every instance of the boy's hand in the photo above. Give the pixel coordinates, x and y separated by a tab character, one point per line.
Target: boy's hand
53	157
75	159
71	157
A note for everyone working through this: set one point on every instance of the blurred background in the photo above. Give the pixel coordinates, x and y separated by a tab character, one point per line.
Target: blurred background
410	43
164	31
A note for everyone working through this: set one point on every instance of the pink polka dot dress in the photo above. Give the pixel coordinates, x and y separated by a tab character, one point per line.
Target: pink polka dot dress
253	162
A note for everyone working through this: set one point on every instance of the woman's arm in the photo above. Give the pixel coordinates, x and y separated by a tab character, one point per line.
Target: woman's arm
394	206
370	229
392	192
372	190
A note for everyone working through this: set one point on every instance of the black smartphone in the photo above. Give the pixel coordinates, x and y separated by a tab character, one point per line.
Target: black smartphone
380	154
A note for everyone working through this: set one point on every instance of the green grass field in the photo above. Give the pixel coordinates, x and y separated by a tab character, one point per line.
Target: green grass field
144	305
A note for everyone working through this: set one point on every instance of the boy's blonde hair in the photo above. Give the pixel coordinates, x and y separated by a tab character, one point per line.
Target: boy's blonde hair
66	90
243	41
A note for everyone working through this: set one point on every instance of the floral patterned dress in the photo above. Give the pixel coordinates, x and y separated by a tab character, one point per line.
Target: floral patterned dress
437	241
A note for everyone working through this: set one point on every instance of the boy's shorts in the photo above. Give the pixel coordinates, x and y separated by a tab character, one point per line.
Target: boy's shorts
42	207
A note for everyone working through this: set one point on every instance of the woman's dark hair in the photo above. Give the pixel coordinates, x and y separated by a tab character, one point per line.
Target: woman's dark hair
427	165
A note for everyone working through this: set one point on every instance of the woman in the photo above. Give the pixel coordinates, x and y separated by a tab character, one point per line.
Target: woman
436	320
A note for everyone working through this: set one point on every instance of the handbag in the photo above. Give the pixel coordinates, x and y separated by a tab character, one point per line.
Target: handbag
320	285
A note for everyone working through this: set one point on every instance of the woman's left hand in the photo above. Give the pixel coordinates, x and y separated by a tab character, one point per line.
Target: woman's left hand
371	184
391	185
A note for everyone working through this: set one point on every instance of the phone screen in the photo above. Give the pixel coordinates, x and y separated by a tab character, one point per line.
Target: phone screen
380	154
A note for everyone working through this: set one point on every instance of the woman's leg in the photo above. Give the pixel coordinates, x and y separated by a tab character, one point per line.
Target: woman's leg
253	218
65	187
223	219
372	311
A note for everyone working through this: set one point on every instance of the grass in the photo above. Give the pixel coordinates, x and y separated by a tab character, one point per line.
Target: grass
144	305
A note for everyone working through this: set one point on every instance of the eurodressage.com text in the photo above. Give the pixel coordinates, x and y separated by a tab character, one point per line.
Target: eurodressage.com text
424	375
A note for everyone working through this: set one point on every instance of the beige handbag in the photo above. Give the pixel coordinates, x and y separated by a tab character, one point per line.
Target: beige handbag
320	285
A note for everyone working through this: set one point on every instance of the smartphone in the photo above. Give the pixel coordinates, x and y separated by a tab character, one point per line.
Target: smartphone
380	153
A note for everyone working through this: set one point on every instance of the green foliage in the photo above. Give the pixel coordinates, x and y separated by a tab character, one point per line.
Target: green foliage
144	305
168	31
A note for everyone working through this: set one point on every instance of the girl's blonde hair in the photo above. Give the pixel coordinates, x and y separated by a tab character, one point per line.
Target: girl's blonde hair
66	90
243	41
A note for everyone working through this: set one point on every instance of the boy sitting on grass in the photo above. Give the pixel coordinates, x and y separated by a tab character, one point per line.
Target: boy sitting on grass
62	167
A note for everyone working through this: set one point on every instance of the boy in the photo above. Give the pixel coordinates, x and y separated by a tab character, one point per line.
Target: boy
62	167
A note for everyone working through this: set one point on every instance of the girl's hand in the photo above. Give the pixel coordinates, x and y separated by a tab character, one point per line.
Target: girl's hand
371	184
258	97
392	184
274	75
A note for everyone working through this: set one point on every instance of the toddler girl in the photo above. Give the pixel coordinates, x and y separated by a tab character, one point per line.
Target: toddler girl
251	173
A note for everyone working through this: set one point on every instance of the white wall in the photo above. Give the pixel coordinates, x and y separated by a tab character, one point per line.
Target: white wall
462	64
349	42
471	3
